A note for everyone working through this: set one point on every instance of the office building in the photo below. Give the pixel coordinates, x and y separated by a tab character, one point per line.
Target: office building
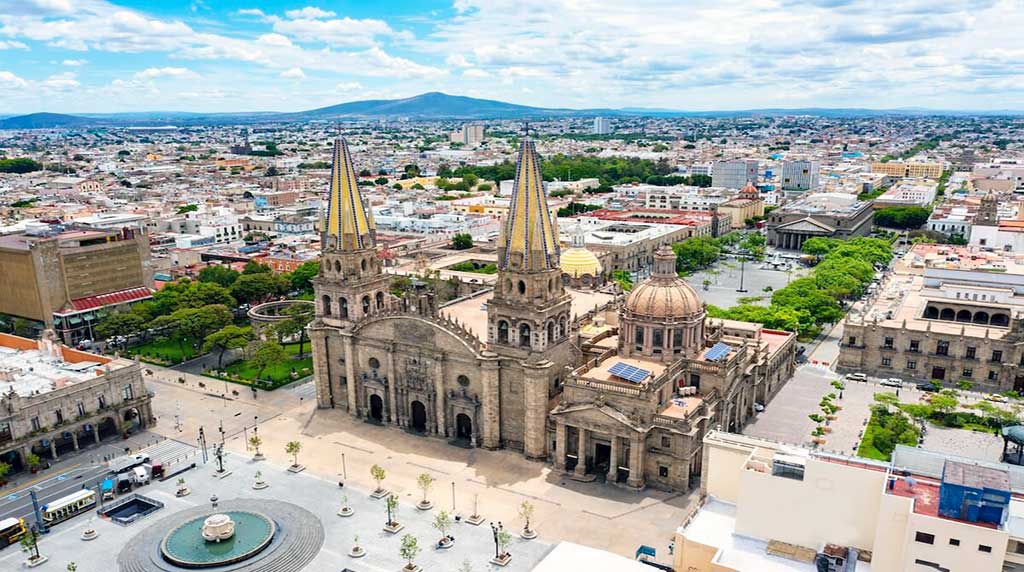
902	169
470	134
602	126
735	174
800	175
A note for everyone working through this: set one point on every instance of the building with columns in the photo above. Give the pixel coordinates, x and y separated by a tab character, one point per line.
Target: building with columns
54	399
528	364
829	215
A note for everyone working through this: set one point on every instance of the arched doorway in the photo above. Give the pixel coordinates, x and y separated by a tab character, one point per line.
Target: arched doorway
419	417
463	427
133	417
376	408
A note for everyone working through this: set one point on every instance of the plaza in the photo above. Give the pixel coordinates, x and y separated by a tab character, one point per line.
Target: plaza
724	278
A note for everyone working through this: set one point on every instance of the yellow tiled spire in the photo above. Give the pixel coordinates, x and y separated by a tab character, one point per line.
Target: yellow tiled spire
530	237
349	224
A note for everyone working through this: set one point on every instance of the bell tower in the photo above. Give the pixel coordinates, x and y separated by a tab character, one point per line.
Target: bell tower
530	307
350	284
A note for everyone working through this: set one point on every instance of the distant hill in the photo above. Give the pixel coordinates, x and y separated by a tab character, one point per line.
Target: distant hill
427	106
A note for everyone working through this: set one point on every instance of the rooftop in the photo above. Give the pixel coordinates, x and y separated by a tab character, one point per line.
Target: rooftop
31	367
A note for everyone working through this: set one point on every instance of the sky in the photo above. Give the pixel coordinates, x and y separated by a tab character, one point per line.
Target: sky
95	56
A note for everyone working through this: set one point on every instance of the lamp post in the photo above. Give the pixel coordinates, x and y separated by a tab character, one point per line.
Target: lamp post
495	529
743	262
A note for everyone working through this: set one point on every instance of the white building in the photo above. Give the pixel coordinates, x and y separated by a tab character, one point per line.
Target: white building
470	134
735	174
800	175
602	126
908	193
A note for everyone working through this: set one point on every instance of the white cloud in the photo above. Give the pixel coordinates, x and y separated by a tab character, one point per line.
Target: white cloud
61	81
9	79
293	73
274	40
336	32
347	86
12	45
475	73
153	73
309	12
74	63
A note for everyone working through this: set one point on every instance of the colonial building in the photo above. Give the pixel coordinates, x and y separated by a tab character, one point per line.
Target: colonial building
54	399
830	215
530	364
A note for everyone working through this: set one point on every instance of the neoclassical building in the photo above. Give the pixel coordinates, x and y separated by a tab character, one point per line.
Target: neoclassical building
531	364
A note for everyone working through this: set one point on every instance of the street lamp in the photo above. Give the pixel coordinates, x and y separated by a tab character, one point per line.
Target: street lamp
495	529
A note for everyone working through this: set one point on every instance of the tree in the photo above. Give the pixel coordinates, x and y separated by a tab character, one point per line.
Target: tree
302	277
268	354
902	217
817	418
299	316
32	460
887	399
254	267
819	246
219	274
424	482
696	253
4	470
255	441
443	523
19	165
229	337
30	544
526	510
964	385
119	324
504	540
944	402
260	287
409	549
292	448
462	241
624	279
379	474
391	504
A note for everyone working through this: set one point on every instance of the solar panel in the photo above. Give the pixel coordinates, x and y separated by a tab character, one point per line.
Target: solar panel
718	351
628	372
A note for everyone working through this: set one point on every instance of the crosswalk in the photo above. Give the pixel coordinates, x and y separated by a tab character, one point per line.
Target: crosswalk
170	452
305	390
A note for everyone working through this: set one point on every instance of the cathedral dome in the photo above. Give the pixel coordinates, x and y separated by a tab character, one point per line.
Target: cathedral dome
578	261
664	295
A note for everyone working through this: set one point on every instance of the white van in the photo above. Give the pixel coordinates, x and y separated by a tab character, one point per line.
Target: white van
141	476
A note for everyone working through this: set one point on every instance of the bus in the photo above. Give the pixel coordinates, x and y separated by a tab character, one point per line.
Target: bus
69	506
11	531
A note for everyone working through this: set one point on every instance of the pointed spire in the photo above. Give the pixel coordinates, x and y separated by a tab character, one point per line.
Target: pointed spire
529	238
349	224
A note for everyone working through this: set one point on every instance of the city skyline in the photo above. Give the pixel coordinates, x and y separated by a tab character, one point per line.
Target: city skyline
102	57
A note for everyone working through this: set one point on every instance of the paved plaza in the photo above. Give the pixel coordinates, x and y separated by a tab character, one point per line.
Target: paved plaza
725	279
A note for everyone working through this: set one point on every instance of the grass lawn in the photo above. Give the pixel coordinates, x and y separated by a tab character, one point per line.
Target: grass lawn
165	351
884	431
242	372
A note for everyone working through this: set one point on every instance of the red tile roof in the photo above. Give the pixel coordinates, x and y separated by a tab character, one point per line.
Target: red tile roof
119	297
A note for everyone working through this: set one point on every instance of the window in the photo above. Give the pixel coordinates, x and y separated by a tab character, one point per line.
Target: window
638	338
915	346
888	343
666	442
677	338
102	401
59	416
81	409
128	393
853	340
911	364
374	363
887	362
984	548
997	355
464	381
658	339
971	352
924	537
942	348
968	373
35	424
663	472
954	542
993	375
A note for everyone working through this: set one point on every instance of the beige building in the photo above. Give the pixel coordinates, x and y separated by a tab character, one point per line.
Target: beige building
903	169
746	205
767	507
57	399
64	280
946	313
532	364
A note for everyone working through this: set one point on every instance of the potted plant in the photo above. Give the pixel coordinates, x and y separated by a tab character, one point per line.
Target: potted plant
443	523
30	544
33	461
409	548
260	484
424	482
345	510
356	551
89	533
183	490
255	443
378	473
526	511
392	525
293	448
476	519
72	567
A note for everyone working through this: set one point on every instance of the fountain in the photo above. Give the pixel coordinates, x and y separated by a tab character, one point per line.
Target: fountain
218	527
218	539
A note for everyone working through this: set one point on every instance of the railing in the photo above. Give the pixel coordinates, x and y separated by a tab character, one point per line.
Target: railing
603	386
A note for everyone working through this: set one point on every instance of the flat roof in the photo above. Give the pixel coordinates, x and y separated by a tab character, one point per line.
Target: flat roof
32	372
471	312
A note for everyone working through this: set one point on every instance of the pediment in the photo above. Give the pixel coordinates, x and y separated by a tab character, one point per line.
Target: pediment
805	225
593	414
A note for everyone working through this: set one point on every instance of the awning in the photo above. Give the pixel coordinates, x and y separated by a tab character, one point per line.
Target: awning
111	298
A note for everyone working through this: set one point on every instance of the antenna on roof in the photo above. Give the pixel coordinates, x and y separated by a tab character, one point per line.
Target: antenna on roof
526	129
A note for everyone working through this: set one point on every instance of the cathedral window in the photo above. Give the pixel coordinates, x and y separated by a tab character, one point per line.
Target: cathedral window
337	267
374	363
343	303
463	381
562	332
659	340
638	338
551	332
380	300
524	335
366	304
326	304
522	287
502	332
677	339
362	264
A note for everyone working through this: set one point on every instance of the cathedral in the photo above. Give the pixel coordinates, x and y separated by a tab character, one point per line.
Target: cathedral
620	390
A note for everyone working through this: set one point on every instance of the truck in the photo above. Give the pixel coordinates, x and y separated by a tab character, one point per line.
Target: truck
140	475
127	462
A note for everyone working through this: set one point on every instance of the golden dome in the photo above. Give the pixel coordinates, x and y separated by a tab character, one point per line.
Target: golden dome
664	295
577	262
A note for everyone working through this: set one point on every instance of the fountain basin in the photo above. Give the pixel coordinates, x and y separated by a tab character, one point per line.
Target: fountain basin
218	539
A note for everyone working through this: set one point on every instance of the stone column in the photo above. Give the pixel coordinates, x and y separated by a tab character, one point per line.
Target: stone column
322	370
535	389
441	427
490	406
613	468
96	432
350	376
636	460
581	452
53	449
560	437
74	439
392	387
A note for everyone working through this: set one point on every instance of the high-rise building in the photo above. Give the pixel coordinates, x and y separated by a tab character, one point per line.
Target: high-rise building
602	126
66	280
735	174
470	134
901	169
800	175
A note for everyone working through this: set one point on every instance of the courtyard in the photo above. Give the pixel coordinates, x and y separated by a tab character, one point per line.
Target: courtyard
724	278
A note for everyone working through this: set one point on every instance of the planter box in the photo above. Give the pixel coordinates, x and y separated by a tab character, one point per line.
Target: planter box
424	505
346	511
380	494
33	562
357	553
475	520
528	534
296	468
502	561
393	528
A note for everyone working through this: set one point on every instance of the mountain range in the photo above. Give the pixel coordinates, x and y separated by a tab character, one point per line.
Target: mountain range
426	106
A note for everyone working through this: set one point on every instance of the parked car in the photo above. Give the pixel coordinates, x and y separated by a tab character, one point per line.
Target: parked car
892	382
856	376
996	397
929	387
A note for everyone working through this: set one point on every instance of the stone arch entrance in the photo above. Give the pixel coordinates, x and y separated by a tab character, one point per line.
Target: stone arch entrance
463	427
376	408
133	416
418	422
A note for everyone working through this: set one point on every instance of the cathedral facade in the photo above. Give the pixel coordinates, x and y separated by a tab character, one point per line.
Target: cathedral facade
525	366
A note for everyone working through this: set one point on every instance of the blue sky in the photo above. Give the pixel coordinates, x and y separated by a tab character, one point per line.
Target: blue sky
205	55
